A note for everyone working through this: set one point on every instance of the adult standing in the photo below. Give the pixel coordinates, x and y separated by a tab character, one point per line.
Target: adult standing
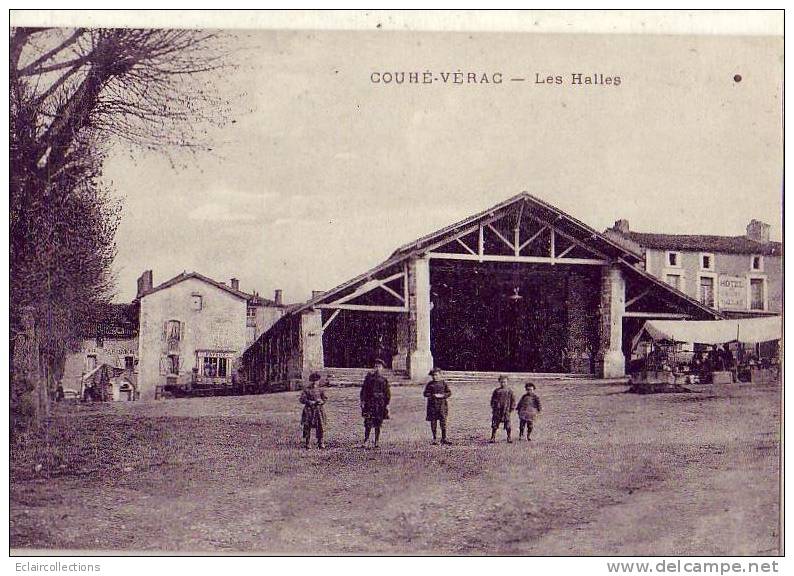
375	397
437	391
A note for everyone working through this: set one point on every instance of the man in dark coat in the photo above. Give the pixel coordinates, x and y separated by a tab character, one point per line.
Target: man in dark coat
313	415
437	391
503	402
375	397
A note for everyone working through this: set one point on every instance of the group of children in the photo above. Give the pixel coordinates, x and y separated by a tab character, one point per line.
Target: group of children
375	397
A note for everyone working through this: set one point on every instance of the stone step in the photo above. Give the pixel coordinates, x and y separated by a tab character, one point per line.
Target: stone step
346	377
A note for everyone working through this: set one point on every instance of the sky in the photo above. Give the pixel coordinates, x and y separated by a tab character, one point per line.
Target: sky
323	172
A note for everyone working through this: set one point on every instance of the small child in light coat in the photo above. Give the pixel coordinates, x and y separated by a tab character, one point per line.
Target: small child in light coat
528	408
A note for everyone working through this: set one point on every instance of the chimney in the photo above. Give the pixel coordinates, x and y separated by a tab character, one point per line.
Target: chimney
758	231
277	297
235	284
621	226
145	283
316	293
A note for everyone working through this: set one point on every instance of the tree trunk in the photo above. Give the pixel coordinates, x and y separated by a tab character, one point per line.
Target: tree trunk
26	365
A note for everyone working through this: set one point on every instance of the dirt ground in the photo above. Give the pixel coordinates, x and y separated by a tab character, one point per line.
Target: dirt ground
607	473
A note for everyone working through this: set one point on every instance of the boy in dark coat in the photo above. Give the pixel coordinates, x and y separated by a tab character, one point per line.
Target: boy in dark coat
375	397
437	391
313	415
528	408
503	402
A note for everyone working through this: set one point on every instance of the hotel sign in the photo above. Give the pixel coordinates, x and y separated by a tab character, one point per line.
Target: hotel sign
733	292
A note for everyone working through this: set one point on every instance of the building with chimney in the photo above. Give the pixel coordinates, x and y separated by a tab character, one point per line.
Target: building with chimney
193	329
521	287
736	275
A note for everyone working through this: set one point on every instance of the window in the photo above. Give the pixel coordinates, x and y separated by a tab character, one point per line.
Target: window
129	362
251	312
100	341
756	263
674	280
673	259
173	364
196	302
757	300
173	330
90	362
214	367
707	290
707	261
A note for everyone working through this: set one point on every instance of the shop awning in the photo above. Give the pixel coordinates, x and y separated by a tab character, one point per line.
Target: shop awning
747	330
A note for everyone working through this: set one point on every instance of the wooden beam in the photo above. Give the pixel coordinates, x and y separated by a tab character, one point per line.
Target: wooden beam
657	315
568	249
368	287
481	243
641	295
533	237
516	240
502	238
393	293
526	259
520	215
466	246
551	245
362	307
331	319
569	237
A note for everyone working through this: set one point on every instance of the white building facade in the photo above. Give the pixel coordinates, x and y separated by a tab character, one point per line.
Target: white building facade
190	327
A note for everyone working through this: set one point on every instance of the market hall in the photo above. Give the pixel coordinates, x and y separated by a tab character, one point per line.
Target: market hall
520	287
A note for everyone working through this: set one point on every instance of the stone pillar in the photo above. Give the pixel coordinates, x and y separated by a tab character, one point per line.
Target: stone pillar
611	362
311	343
420	359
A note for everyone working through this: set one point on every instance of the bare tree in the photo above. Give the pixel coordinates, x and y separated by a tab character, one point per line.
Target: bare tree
73	93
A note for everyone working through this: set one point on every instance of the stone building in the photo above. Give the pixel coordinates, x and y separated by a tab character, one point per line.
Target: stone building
111	338
736	275
192	326
520	287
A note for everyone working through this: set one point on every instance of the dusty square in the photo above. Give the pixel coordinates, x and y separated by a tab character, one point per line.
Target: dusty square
607	473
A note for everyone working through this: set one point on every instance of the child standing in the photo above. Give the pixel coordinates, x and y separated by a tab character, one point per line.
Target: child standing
528	408
313	415
502	404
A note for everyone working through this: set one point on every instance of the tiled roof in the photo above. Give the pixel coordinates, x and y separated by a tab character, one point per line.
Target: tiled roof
254	299
112	321
705	243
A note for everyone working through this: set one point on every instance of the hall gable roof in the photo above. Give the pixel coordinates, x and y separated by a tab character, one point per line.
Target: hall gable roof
515	207
541	209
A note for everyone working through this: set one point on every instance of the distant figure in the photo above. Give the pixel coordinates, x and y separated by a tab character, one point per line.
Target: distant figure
375	397
728	361
313	415
714	360
528	408
59	394
503	402
437	391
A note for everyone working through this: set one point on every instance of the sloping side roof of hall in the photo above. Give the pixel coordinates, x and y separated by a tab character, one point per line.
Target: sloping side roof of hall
625	256
705	243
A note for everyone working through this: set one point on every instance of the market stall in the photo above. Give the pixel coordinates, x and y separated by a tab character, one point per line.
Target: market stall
709	351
